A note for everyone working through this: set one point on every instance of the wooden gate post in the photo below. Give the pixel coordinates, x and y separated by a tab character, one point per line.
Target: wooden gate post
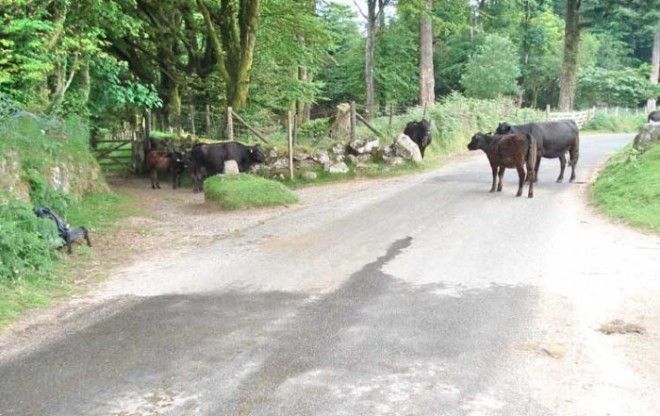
230	124
191	115
208	120
353	122
389	124
147	124
290	137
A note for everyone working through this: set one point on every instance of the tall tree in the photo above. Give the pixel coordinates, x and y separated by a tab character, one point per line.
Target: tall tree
231	26
568	80
655	67
375	10
426	73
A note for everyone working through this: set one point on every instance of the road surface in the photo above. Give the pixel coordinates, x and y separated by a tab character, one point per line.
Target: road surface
425	295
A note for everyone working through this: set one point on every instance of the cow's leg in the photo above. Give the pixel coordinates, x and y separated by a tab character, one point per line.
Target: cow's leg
152	178
174	178
86	235
69	243
521	179
536	168
562	167
494	169
573	153
500	175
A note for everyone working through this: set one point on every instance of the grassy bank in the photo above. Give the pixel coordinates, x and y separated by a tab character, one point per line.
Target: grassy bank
45	161
628	188
611	122
34	272
246	191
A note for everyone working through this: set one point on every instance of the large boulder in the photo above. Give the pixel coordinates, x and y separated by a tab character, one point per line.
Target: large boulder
322	157
231	168
649	135
407	149
339	167
361	147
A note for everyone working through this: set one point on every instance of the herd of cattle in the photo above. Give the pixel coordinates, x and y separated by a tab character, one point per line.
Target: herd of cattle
519	147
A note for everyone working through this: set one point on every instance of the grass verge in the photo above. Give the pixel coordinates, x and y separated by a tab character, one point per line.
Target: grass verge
48	277
628	188
246	191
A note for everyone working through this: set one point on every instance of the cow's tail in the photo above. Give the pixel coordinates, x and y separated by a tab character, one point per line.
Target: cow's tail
531	157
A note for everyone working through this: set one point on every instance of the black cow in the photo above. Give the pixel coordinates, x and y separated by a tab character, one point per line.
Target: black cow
209	159
654	117
420	133
553	140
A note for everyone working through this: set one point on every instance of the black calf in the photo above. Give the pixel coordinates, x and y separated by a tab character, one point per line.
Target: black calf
68	234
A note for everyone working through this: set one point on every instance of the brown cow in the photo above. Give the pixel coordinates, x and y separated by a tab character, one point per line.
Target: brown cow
164	161
516	150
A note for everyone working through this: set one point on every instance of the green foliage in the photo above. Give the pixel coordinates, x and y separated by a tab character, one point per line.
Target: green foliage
493	70
26	242
343	75
543	46
616	122
246	191
291	38
396	68
627	87
629	188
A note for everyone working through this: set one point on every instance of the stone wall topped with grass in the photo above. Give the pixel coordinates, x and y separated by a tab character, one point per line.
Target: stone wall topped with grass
246	191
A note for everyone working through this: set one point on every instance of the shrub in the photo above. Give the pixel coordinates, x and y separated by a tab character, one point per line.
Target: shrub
26	241
622	122
493	70
246	191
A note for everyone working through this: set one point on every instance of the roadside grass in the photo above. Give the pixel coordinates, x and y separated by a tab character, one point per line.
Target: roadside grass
628	188
246	191
49	276
609	122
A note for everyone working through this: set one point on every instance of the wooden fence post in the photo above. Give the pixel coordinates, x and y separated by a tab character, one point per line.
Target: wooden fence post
147	124
353	122
191	115
208	120
296	120
230	124
391	113
290	137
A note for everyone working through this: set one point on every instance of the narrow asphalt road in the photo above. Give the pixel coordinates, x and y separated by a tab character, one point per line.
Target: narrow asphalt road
425	295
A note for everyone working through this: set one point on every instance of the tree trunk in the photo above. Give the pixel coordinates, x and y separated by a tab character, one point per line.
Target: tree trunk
568	80
85	82
303	108
174	108
369	58
426	73
234	45
655	68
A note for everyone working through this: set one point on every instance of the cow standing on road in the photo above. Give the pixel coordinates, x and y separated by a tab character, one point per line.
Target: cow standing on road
553	140
209	159
515	150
